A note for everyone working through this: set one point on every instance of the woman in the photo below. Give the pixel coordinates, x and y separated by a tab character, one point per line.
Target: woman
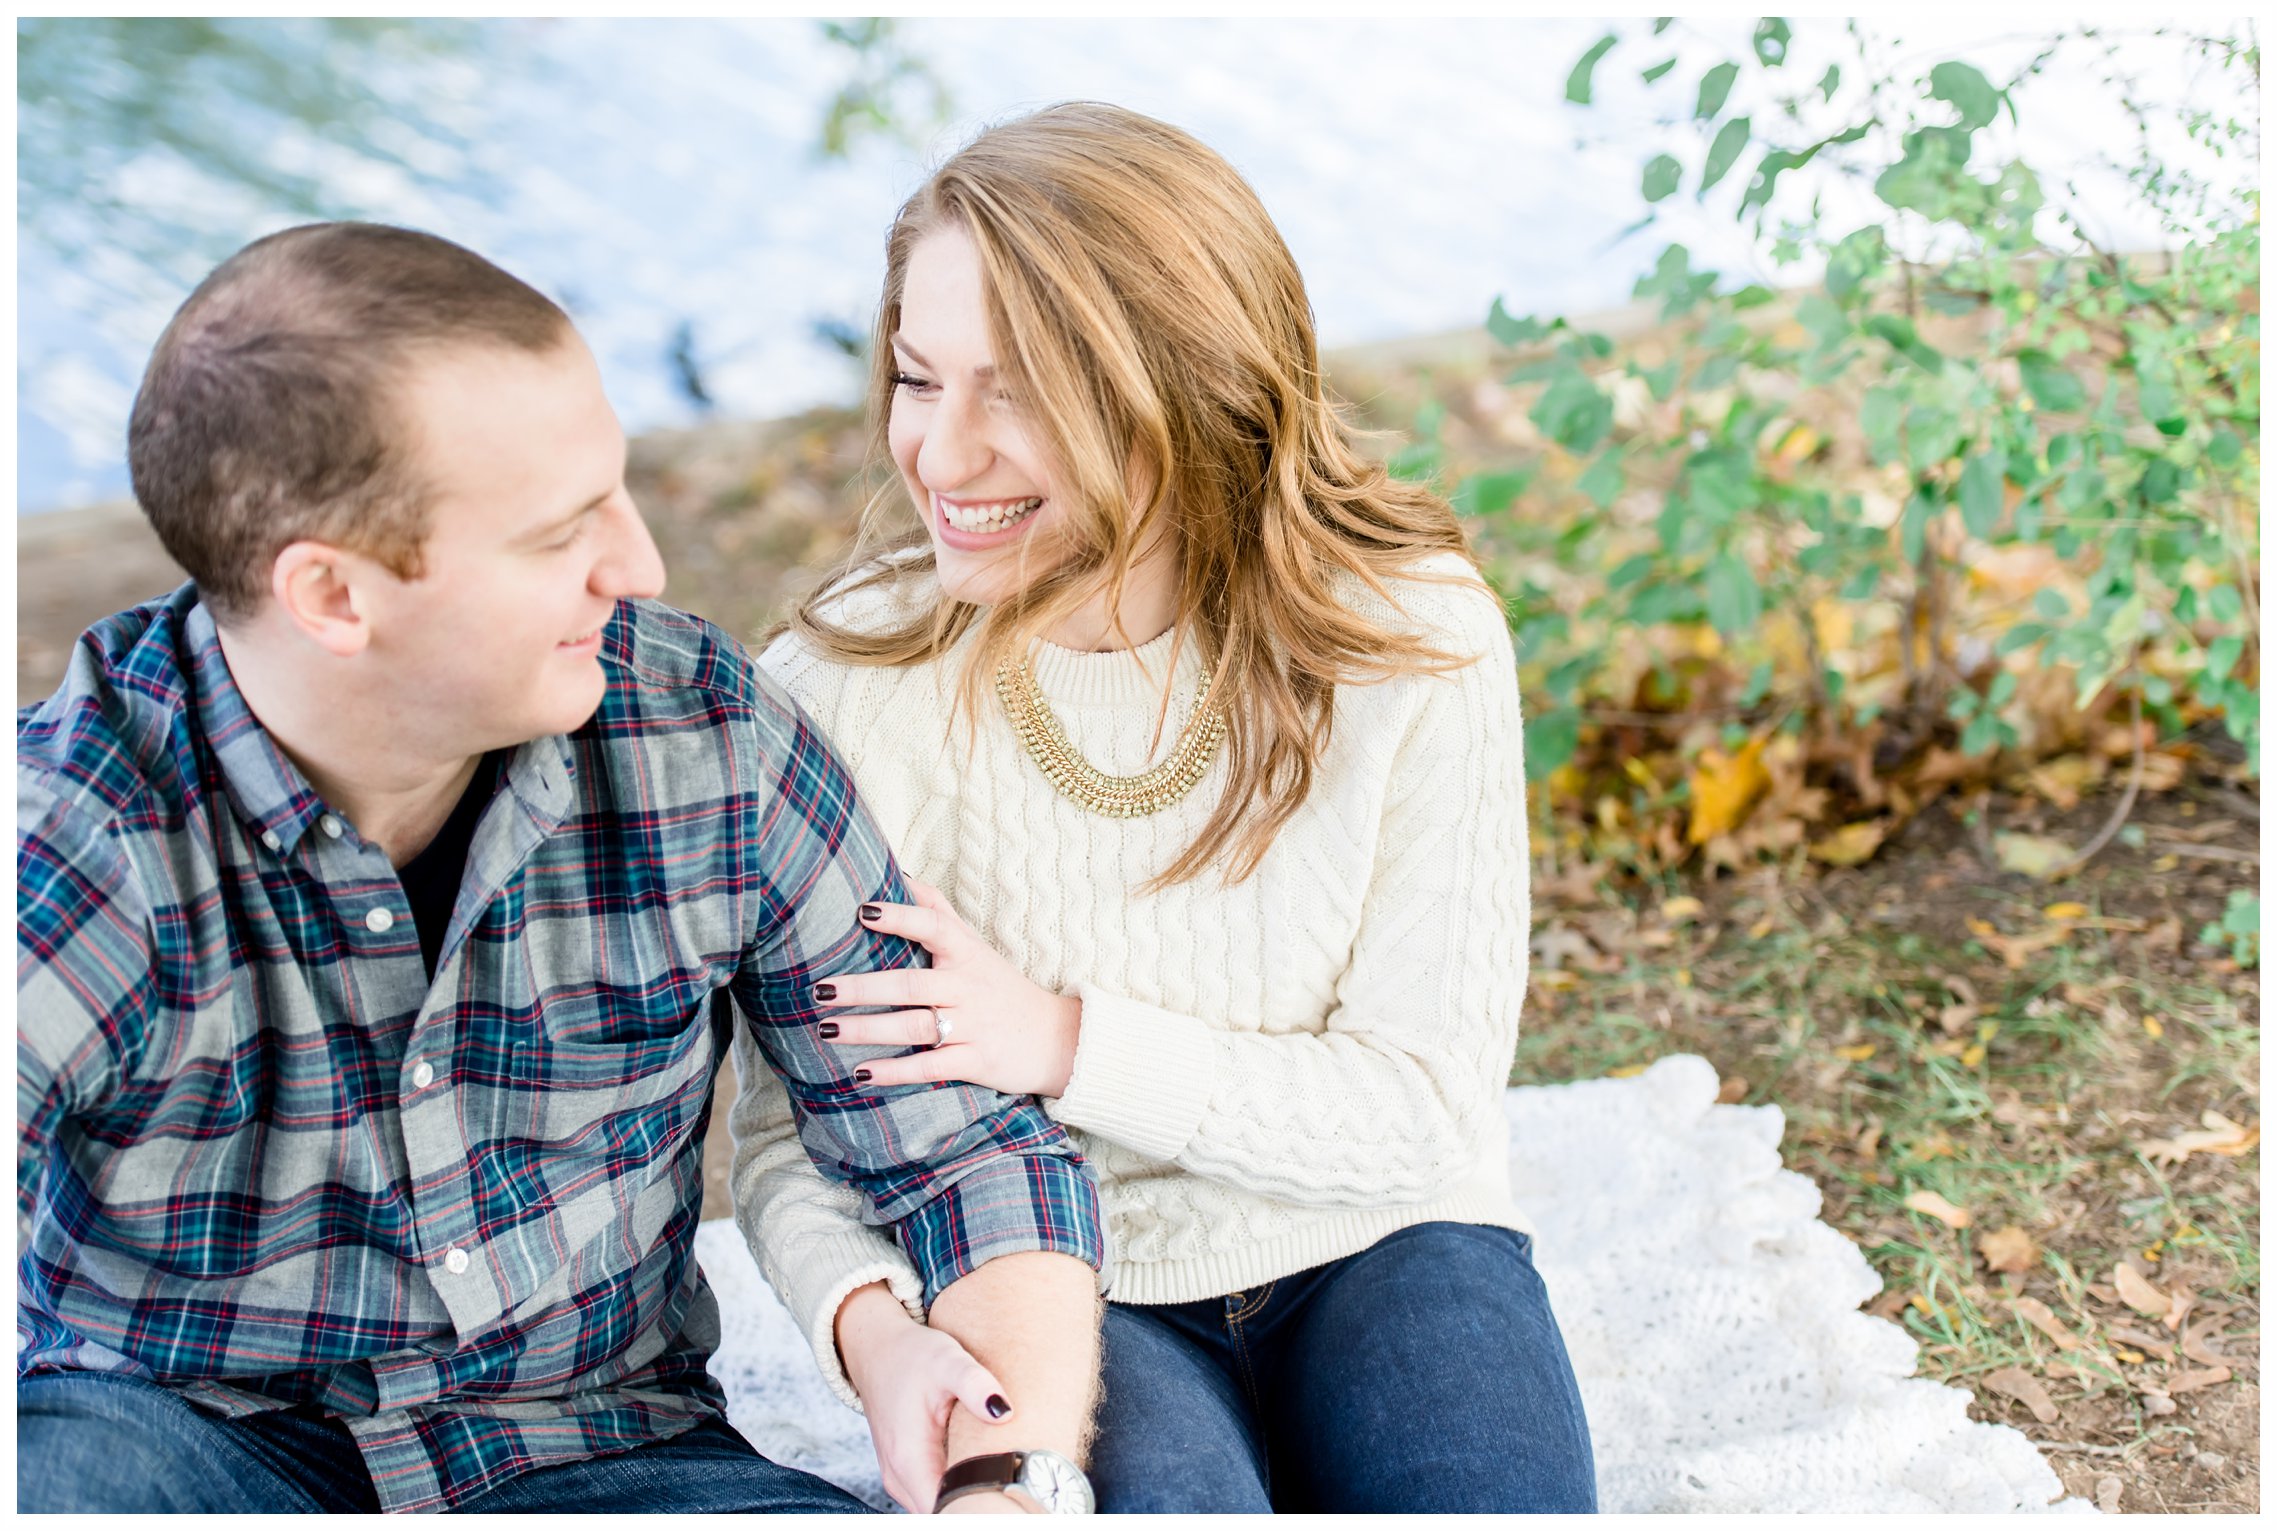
1209	734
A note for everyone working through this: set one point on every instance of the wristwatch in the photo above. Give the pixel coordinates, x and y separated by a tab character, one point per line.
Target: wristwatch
1048	1478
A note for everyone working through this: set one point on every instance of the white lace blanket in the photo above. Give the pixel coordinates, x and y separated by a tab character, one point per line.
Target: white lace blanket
1712	1319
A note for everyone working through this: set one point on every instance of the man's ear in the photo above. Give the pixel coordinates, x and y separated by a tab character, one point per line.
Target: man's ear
316	588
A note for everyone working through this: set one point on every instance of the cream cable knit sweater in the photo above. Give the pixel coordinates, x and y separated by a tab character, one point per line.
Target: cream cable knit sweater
1269	1076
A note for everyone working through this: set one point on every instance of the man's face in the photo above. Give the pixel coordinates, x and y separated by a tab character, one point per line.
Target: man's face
531	542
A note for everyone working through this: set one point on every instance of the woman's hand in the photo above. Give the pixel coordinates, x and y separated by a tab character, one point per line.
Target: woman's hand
910	1377
977	1016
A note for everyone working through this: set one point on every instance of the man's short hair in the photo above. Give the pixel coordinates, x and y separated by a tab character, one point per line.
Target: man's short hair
269	411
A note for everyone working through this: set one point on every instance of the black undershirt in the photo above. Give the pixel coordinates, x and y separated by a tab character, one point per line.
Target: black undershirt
431	878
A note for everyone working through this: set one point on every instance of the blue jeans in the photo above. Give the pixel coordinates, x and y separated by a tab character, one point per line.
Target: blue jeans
1424	1373
105	1443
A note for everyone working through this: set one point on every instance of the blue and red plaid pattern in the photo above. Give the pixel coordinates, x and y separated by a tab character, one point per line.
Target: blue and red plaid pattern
263	1160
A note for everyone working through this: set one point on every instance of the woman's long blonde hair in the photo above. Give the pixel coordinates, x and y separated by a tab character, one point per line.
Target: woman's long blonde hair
1143	304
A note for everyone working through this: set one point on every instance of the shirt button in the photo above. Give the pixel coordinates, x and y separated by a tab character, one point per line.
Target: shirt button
270	838
330	826
455	1262
423	1075
379	922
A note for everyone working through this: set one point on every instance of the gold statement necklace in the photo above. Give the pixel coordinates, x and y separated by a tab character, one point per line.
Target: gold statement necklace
1115	797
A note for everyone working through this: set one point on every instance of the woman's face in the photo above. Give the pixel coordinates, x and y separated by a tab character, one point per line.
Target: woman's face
961	442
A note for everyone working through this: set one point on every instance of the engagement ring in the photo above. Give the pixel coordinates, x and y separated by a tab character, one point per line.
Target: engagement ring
942	1026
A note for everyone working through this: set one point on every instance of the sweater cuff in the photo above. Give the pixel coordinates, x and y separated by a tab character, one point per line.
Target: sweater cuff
1142	1076
828	1270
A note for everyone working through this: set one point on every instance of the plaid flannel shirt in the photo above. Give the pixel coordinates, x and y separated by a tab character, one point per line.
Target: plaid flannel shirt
264	1161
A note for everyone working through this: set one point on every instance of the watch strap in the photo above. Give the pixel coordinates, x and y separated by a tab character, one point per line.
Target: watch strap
991	1474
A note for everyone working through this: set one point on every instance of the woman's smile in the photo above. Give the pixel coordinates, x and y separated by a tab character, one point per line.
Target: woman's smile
975	525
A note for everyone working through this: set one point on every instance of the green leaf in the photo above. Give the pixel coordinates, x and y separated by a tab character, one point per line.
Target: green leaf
1603	481
1880	414
1552	738
1487	494
2222	656
1416	462
2224	448
1730	139
1771	38
1715	86
2161	406
2002	691
1661	379
1913	527
1735	600
1577	83
1660	24
1856	258
1981	735
2051	604
1906	341
1661	173
1968	90
1510	331
1980	494
1830	82
2224	605
1574	412
1659	69
2051	385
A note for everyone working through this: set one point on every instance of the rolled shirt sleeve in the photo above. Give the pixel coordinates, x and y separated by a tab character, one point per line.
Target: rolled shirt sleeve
961	1173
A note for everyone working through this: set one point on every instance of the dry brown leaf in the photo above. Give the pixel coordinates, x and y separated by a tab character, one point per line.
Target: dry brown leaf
2041	1317
2025	1388
1955	1019
2033	855
2196	1347
1731	1091
1930	1204
2008	1249
1724	788
2191	1380
1851	844
2137	1292
2222	1136
2063	779
1890	1304
2139	1341
2163	771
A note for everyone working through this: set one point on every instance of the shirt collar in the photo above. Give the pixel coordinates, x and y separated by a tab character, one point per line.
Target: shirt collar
269	792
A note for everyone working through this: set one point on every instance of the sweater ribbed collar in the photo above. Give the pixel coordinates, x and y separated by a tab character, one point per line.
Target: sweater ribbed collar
1117	678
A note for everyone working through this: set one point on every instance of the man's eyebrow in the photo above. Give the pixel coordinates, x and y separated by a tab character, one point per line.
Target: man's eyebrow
918	357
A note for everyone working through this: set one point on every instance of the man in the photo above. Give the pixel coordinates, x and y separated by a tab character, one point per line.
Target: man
381	894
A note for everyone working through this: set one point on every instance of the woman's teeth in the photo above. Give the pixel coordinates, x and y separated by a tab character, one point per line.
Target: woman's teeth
993	517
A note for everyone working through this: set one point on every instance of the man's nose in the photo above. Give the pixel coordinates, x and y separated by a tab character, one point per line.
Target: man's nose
630	566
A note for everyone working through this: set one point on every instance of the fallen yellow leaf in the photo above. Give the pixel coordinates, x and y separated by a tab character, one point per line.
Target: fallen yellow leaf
1851	844
1936	1146
2066	911
2008	1249
1973	1056
1677	910
1930	1204
2152	1025
1724	788
2222	1136
2033	855
1627	1071
1759	929
1857	1052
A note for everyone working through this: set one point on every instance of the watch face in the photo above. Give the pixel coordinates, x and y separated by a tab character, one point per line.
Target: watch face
1056	1483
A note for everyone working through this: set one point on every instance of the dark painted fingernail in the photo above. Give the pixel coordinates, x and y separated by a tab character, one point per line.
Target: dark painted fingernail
997	1407
871	911
861	1076
829	1030
826	991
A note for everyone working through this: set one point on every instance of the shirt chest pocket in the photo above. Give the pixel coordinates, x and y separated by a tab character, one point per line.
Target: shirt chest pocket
634	1095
